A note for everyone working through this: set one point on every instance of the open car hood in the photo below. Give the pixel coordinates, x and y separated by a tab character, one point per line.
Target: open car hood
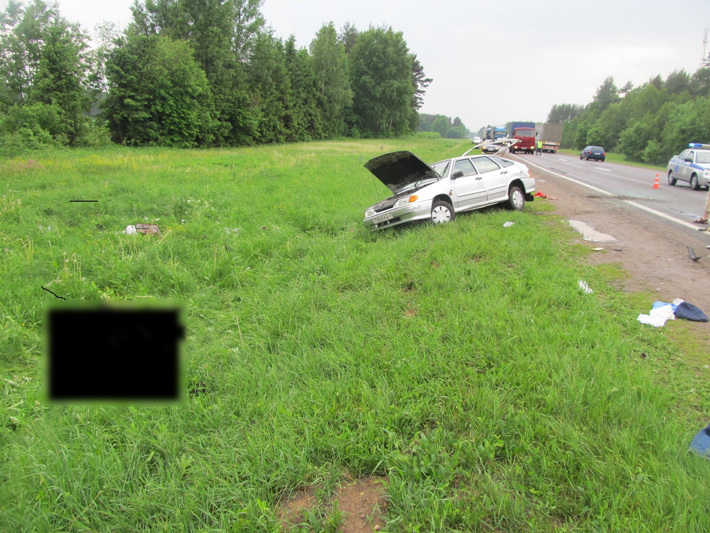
397	169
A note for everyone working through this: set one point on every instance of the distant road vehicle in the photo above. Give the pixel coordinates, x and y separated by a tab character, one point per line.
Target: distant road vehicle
524	133
692	166
551	135
439	191
593	152
477	140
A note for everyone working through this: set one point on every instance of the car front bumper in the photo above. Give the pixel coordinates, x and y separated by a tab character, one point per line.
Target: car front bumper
398	215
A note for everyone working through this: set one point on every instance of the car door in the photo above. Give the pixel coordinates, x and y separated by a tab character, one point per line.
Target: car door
495	178
679	165
469	188
687	168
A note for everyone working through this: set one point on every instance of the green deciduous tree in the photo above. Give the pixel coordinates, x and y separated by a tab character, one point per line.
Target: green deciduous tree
158	95
307	116
563	112
45	70
222	34
381	79
60	79
330	65
270	90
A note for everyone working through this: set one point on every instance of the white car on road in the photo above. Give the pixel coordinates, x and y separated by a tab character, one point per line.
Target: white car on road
692	165
439	191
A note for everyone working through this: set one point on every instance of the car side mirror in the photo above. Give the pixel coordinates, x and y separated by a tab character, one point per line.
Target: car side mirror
457	174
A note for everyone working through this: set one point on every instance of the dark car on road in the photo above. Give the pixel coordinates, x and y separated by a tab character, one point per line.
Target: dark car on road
593	152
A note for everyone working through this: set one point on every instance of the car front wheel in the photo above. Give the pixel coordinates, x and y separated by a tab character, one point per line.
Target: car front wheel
442	212
516	198
671	179
694	182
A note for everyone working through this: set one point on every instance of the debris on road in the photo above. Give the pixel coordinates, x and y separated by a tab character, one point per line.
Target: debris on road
589	233
688	311
691	254
701	443
146	229
659	315
540	194
585	288
508	224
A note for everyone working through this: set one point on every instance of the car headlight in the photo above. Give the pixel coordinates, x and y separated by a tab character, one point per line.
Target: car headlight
405	201
369	213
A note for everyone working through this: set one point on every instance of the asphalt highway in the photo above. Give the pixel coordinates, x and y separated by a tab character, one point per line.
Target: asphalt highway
633	185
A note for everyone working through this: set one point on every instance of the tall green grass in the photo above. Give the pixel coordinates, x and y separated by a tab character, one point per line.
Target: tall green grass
461	361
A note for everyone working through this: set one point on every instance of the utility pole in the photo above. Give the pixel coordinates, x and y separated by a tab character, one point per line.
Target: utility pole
705	61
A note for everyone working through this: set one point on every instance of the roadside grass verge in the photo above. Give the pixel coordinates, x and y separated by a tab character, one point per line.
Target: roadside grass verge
462	361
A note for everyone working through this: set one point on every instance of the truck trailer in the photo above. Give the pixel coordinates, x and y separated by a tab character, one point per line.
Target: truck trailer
551	136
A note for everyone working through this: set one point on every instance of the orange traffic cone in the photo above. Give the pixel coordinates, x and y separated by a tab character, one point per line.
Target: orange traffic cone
657	183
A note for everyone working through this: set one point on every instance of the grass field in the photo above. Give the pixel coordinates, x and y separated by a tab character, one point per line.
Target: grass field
460	363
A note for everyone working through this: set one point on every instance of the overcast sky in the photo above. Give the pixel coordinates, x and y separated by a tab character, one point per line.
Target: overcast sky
495	61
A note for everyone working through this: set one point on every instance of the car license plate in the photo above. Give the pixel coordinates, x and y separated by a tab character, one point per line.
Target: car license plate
382	218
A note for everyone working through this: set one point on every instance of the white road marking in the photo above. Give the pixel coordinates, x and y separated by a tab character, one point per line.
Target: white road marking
629	202
604	169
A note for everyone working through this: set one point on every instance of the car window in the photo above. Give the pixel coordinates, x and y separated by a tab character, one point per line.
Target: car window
703	157
465	166
485	164
683	154
691	156
502	162
441	168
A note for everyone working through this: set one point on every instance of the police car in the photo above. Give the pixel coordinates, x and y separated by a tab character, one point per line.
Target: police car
692	165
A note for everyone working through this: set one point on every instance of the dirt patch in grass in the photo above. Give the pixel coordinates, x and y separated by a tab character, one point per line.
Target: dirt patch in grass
361	504
293	512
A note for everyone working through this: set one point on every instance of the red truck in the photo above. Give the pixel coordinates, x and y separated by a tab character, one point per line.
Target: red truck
524	132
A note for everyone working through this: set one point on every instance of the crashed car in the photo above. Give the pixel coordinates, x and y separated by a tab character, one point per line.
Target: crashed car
439	191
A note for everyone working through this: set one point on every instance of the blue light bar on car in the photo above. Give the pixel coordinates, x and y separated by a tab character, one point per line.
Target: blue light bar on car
698	145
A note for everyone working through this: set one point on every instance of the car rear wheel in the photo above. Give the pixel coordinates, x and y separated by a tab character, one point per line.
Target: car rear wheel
694	182
516	198
442	212
671	179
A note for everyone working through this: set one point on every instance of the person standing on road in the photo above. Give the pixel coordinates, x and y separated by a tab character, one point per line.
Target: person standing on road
539	147
704	218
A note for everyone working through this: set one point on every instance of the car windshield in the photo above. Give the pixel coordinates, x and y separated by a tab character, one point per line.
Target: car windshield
525	132
702	157
441	168
411	187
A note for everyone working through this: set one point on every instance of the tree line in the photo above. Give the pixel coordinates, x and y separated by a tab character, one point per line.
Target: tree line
188	74
443	125
647	124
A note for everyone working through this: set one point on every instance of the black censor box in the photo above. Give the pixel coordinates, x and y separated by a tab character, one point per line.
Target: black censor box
113	353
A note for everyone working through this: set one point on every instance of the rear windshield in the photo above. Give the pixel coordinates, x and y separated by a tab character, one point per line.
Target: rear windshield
596	148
